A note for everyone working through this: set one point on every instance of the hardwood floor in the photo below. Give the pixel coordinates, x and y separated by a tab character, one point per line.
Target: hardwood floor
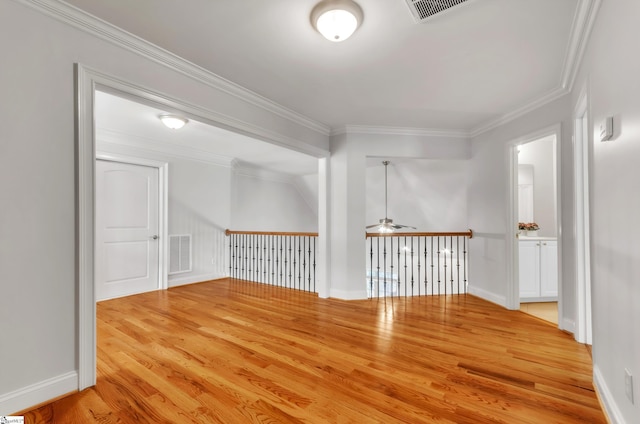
235	352
547	311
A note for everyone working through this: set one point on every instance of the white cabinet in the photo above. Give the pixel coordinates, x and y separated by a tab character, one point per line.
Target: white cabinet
538	270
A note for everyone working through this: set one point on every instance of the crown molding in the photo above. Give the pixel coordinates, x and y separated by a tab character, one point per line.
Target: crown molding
82	20
416	132
116	138
521	111
581	27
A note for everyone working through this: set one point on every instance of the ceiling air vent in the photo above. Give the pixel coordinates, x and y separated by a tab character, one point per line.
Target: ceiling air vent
424	9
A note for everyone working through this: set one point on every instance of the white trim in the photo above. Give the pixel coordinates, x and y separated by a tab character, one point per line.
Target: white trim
511	245
581	28
608	401
38	393
163	205
347	294
420	132
566	323
324	226
521	111
88	81
87	363
488	296
193	279
84	21
582	140
512	250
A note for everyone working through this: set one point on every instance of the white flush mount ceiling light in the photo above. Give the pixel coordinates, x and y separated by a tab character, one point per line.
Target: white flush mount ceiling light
174	122
336	20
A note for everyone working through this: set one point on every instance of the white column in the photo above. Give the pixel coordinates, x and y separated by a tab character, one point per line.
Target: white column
347	233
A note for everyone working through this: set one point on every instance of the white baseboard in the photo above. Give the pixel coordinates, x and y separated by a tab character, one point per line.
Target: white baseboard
568	325
614	416
487	295
38	393
194	279
348	295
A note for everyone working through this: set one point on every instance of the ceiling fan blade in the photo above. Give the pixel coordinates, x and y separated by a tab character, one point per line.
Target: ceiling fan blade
372	226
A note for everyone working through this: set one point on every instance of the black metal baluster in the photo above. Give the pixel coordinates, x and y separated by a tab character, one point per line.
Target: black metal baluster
425	266
299	264
370	267
465	263
439	281
378	267
412	279
384	264
433	281
314	264
272	263
308	285
418	254
405	248
399	270
458	263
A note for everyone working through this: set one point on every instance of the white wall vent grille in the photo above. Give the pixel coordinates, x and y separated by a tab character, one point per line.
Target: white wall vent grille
179	253
424	9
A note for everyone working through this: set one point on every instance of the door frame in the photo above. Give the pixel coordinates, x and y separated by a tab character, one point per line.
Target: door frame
512	251
88	80
582	142
163	206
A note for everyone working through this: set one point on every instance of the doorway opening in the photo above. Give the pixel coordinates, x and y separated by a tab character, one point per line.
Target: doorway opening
535	215
537	236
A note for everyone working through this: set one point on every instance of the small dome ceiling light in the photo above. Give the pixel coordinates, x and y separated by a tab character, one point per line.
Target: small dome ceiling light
174	122
336	20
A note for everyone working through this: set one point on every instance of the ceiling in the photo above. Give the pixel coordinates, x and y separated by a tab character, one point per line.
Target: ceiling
457	71
138	125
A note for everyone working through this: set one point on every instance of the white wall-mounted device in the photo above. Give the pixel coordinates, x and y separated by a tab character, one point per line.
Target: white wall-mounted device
606	128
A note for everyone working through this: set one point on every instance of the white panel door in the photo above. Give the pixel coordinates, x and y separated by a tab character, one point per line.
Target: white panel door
127	229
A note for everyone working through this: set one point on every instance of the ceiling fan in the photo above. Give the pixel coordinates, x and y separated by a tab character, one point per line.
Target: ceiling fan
386	224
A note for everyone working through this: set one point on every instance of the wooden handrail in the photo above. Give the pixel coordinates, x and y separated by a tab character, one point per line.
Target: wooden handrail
303	234
430	234
271	233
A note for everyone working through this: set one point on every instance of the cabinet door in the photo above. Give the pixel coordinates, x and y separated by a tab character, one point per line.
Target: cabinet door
549	268
529	269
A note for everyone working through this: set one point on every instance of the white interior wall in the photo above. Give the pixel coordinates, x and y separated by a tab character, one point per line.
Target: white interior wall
430	195
199	203
487	204
541	155
39	157
609	72
349	153
279	202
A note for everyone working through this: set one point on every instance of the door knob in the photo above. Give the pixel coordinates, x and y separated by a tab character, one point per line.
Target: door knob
154	237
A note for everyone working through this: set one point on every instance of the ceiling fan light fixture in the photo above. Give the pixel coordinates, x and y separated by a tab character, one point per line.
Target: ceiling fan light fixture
173	122
336	20
386	224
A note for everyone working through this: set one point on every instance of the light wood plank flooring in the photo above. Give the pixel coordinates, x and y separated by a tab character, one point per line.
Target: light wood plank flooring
235	352
547	311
